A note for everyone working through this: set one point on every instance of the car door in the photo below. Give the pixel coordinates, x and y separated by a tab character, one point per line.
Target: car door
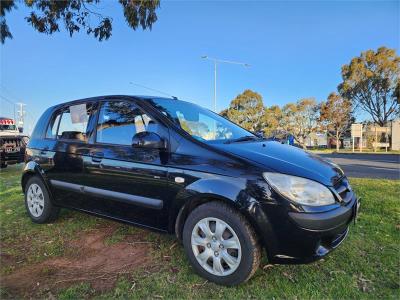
123	182
65	146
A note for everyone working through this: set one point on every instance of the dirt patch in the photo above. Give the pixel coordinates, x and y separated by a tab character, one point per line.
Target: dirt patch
88	259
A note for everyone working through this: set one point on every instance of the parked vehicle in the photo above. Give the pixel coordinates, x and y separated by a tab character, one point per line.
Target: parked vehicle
12	143
175	167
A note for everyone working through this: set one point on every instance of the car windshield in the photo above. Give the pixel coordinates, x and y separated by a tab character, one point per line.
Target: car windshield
201	123
7	127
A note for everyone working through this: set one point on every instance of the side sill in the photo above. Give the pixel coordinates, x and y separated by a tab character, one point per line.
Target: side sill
107	194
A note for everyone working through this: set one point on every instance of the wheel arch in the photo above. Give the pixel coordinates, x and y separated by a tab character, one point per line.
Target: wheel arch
32	169
190	205
233	193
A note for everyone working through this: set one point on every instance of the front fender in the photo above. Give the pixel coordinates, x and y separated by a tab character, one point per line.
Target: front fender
227	188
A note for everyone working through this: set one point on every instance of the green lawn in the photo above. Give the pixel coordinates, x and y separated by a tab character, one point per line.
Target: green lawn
356	151
59	260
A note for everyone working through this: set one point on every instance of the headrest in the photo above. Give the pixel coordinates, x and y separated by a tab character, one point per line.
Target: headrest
72	135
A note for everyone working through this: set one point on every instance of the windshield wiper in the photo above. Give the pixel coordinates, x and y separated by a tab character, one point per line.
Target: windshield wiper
242	139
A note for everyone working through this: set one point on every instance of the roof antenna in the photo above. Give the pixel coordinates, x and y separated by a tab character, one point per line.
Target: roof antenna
154	90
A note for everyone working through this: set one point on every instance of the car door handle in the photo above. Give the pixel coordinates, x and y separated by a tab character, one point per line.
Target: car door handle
97	156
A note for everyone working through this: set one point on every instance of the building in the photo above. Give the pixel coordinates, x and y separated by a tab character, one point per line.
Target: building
317	139
395	135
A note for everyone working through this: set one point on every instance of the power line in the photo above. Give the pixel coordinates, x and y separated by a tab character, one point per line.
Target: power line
22	113
10	95
15	103
11	102
8	100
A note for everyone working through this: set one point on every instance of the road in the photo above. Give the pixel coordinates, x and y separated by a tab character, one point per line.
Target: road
368	165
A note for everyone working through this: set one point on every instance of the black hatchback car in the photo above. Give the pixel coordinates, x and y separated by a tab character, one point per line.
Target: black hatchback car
175	167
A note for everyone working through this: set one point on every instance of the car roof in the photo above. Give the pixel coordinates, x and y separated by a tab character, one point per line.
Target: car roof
100	98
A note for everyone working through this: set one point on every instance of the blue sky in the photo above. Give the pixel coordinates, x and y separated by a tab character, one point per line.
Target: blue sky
295	50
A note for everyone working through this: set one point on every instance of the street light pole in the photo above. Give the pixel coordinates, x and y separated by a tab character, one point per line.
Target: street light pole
216	61
215	86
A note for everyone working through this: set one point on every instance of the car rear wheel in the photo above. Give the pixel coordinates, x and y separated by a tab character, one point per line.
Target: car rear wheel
38	203
220	244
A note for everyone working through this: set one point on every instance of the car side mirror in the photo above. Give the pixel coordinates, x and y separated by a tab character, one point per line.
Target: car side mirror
148	140
259	134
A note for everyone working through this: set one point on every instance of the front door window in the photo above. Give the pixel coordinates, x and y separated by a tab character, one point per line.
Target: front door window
119	121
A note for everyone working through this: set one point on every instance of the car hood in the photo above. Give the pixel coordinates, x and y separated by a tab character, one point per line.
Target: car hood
286	159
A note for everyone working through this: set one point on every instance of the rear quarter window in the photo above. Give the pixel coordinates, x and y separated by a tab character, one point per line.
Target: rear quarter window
51	132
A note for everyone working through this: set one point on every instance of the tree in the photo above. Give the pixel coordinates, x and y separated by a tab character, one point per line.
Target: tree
335	116
370	82
396	93
48	15
300	119
246	110
272	119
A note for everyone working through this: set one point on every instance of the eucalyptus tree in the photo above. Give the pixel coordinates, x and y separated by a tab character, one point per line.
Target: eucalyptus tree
371	82
335	116
47	16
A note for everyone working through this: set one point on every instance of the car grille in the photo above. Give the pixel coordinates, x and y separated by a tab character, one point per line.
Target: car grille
11	142
14	156
344	190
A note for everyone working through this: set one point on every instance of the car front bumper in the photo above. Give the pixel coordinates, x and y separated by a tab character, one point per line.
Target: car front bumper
307	237
10	158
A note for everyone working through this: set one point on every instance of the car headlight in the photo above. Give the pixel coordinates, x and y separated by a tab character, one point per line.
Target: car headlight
25	140
300	190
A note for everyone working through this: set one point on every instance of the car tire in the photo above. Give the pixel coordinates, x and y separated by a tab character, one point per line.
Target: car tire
38	203
227	258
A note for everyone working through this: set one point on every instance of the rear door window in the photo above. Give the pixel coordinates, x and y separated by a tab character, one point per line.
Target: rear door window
72	123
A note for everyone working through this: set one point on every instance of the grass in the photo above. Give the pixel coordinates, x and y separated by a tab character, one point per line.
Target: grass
356	151
365	266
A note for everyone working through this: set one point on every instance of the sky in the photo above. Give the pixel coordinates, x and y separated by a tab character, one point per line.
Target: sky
295	49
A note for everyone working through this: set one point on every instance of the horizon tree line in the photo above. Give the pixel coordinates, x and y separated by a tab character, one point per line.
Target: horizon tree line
370	84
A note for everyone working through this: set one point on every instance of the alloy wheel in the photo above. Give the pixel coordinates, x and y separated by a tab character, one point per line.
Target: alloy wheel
216	246
35	199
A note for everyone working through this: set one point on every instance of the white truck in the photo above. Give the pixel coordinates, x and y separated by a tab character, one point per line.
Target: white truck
12	143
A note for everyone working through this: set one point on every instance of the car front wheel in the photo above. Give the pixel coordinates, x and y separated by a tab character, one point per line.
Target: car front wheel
220	244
